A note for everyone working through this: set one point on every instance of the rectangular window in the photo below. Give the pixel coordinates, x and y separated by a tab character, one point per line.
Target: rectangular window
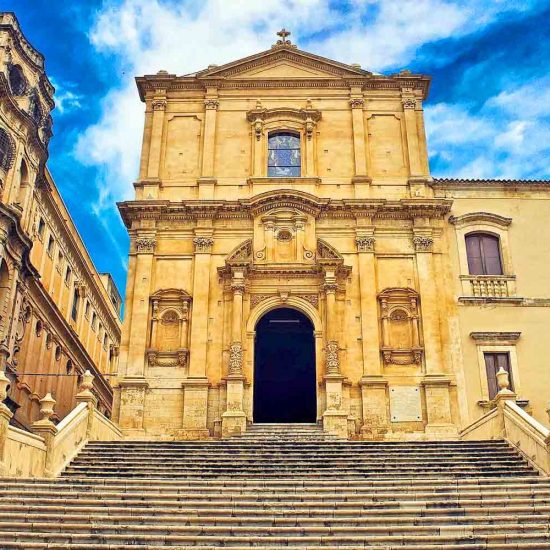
41	228
50	246
74	310
68	275
493	362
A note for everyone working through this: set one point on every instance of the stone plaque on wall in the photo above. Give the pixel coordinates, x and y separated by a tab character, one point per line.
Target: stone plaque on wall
405	405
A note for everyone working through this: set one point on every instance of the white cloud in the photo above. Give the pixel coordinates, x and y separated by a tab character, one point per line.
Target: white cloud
66	99
182	36
508	137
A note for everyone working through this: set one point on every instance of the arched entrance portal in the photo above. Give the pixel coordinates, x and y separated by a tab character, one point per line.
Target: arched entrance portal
284	368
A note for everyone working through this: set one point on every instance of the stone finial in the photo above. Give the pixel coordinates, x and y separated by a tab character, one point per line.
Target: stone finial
503	380
85	394
47	405
503	383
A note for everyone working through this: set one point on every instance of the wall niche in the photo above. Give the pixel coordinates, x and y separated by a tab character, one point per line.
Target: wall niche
400	326
169	330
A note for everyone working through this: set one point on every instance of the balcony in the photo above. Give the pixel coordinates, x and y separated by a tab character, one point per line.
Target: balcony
489	287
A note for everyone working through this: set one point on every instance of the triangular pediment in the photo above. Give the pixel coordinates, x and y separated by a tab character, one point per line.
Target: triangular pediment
283	63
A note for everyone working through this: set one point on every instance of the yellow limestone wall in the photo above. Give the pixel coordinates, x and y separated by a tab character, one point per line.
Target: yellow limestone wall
361	243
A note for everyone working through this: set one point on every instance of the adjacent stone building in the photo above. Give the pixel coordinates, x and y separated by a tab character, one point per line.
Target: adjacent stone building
58	315
293	260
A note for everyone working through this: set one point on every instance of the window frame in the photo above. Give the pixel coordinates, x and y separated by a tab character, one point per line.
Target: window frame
494	347
496	355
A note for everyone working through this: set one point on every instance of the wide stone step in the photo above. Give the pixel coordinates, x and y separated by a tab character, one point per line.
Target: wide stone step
468	544
425	538
240	519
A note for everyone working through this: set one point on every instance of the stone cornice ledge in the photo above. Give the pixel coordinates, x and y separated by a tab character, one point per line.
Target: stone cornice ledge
472	218
495	336
460	182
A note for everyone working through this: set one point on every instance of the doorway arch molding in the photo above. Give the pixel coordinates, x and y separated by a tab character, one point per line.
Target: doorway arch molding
267	305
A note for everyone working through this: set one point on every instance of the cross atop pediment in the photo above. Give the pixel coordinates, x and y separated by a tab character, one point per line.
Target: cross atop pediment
283	33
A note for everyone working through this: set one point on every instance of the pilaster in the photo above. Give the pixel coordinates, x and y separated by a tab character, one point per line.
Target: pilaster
357	103
158	104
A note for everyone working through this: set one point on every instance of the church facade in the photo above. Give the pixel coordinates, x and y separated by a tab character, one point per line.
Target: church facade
293	260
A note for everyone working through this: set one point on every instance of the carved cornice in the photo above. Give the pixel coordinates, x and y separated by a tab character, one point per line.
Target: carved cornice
407	209
473	218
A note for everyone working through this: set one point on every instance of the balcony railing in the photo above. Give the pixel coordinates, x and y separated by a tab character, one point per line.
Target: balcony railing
489	286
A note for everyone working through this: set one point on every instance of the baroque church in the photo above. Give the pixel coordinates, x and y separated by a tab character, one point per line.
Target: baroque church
293	260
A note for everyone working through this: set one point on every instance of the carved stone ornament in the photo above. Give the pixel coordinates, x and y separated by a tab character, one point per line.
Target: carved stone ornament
203	244
255	299
236	359
365	243
313	299
158	104
211	103
145	244
332	359
176	358
423	244
356	102
238	287
409	103
330	286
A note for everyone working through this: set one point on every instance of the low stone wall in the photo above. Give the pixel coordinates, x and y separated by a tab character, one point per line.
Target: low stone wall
25	454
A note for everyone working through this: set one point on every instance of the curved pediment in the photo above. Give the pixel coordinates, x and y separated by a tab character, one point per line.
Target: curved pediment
286	198
171	294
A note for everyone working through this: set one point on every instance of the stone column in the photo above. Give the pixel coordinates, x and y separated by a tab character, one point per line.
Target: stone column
184	336
234	418
133	385
196	386
207	180
47	430
5	417
436	381
335	418
359	138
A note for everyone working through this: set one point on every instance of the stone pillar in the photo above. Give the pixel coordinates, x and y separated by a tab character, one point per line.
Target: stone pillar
133	386
195	399
373	385
335	418
47	430
234	418
207	181
155	147
359	138
5	417
436	381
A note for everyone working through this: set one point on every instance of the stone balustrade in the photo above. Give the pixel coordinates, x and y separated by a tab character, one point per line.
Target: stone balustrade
488	286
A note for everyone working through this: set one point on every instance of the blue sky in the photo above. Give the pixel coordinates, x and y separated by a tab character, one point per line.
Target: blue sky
488	114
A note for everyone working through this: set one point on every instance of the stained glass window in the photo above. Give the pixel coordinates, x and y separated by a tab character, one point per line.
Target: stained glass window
283	155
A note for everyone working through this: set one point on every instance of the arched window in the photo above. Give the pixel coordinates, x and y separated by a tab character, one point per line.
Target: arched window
483	252
18	83
6	150
283	159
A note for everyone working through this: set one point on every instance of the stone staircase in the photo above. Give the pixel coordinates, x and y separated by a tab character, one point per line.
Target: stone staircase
282	486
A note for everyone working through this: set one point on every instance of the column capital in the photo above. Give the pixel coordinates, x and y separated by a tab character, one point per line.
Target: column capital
158	104
409	103
211	104
145	245
330	287
357	102
423	243
238	287
365	243
203	244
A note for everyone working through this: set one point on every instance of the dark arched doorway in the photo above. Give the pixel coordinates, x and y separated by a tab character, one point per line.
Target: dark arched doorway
284	368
